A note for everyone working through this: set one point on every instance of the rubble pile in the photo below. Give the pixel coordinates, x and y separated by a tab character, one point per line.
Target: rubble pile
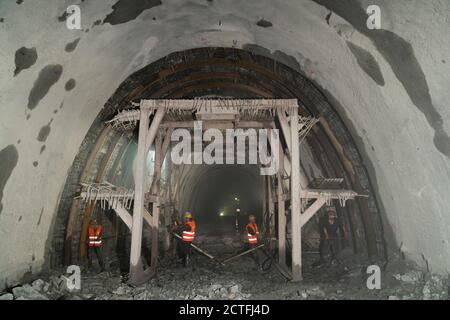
238	280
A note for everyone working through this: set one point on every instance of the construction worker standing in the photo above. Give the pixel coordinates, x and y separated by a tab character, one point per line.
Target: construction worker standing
95	243
252	232
331	230
187	230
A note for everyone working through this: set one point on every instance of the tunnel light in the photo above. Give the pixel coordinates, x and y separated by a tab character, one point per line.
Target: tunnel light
236	198
221	214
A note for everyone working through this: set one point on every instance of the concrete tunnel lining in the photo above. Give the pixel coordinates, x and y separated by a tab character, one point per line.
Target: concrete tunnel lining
408	172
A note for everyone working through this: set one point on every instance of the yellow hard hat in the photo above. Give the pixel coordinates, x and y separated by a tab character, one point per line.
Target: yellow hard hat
187	215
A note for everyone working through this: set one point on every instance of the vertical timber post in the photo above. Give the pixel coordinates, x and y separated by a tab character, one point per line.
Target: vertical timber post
156	209
295	198
270	211
264	207
145	140
281	212
140	183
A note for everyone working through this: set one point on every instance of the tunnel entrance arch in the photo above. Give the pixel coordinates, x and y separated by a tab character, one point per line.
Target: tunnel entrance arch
241	74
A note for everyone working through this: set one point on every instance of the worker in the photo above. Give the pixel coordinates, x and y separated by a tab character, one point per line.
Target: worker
330	230
95	243
187	232
253	238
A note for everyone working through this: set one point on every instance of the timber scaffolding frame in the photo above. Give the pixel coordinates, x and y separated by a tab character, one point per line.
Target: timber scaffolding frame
289	184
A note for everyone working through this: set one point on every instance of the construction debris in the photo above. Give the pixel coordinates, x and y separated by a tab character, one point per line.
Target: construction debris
238	280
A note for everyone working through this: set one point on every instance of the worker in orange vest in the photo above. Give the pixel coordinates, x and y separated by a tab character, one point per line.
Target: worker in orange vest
253	238
95	243
187	232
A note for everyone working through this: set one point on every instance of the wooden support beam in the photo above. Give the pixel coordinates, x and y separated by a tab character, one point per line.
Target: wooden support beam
156	210
148	218
205	104
285	128
145	140
331	193
270	211
163	151
207	124
136	266
264	206
124	215
295	199
168	210
312	209
281	213
151	134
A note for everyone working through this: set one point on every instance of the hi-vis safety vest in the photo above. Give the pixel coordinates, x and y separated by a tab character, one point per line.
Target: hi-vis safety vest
94	236
188	236
252	238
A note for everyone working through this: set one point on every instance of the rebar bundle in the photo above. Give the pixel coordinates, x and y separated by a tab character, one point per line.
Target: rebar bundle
305	126
109	195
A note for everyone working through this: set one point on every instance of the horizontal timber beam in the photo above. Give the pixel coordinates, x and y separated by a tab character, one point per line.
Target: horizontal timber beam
210	124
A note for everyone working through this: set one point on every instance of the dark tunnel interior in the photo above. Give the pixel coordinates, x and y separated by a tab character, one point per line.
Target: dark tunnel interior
220	192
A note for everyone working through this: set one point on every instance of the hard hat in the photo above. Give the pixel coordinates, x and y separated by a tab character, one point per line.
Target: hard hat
187	215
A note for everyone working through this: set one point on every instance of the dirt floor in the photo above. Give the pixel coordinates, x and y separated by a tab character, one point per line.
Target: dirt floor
241	279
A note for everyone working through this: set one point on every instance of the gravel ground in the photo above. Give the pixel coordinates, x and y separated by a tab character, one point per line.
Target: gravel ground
240	279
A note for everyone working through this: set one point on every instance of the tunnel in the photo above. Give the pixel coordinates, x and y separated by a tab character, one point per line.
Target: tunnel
378	95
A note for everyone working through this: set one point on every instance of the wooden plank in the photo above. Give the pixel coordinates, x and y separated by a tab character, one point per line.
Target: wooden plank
124	215
295	199
136	266
281	213
270	211
157	174
204	104
156	210
285	128
148	218
211	124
